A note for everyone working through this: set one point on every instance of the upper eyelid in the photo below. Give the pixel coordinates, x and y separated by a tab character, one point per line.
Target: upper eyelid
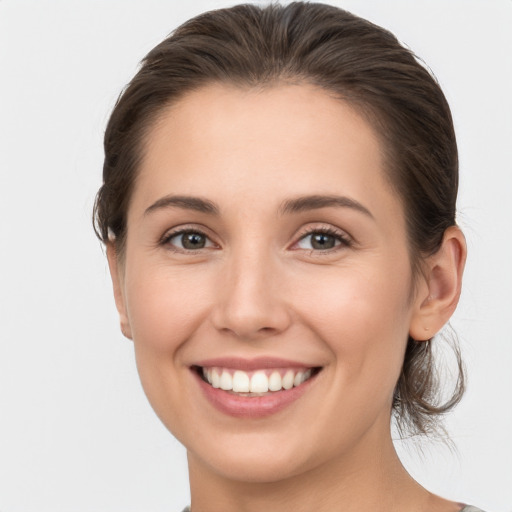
185	228
346	241
341	242
176	232
300	234
332	230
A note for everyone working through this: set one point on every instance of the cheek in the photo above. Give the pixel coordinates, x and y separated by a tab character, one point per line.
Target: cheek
165	306
363	316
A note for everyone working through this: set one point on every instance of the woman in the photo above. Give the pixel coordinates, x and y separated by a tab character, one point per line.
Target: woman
278	209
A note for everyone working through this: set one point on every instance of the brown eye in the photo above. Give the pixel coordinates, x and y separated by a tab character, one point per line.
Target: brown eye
320	241
193	241
189	241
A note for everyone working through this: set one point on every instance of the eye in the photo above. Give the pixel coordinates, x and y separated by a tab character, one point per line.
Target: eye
188	240
322	240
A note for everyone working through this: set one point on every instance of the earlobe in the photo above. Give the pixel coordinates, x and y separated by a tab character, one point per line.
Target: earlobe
114	266
439	293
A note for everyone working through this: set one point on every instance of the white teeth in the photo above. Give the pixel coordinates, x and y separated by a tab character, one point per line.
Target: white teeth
240	382
259	383
215	382
288	380
275	383
226	381
297	381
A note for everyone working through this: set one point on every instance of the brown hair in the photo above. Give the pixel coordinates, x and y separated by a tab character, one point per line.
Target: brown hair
349	57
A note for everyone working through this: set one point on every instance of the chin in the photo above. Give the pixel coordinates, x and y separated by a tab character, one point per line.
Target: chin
251	467
258	457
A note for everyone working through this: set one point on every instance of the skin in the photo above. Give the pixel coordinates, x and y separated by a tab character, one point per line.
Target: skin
259	287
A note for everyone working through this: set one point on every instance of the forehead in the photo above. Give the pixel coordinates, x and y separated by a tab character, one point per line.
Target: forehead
282	140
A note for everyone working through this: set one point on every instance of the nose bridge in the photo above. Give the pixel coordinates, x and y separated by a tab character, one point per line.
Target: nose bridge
251	301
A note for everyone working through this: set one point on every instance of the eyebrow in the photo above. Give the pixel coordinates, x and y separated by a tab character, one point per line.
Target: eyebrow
186	202
315	202
297	205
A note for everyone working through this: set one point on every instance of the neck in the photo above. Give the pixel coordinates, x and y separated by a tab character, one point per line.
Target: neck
371	477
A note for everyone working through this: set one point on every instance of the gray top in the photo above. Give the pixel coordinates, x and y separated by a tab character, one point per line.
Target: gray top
467	508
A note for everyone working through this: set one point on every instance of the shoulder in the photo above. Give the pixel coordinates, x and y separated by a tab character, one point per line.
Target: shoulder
467	508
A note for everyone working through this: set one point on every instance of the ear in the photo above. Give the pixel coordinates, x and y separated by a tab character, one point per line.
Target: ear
439	290
115	267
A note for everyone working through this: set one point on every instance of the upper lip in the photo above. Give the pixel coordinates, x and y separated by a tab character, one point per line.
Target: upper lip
258	363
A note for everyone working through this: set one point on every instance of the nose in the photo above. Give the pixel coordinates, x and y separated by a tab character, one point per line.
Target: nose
251	303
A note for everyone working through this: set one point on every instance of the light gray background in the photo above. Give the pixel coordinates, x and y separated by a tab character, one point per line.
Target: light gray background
76	433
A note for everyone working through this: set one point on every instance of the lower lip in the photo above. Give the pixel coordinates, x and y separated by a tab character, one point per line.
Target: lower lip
252	407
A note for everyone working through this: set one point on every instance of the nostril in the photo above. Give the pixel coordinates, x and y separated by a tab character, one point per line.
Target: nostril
247	330
267	329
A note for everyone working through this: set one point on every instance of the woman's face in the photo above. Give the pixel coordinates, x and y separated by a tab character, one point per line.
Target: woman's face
265	245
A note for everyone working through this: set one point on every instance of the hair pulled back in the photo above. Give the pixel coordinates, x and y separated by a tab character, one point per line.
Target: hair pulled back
350	58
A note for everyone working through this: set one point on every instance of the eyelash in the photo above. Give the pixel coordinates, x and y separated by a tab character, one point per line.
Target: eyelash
339	236
180	232
342	238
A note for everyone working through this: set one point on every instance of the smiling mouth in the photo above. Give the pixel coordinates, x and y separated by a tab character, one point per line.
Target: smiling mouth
255	383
